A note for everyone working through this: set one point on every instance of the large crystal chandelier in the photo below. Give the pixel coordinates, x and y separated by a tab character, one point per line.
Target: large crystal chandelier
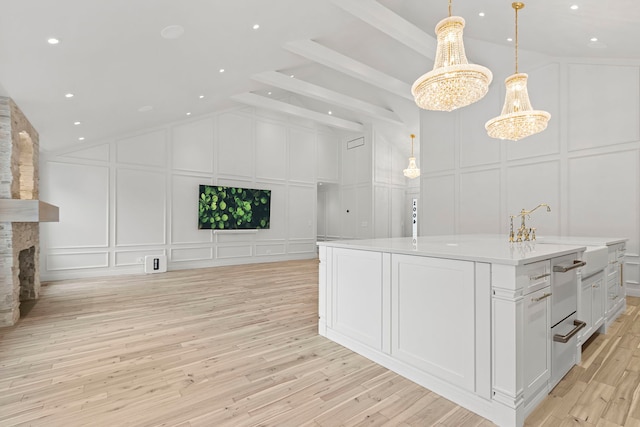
518	119
412	170
453	82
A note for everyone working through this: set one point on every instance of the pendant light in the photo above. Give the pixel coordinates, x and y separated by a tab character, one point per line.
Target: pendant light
412	170
518	119
453	82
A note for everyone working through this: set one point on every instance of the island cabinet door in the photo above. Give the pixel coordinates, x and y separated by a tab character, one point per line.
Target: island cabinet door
433	317
536	342
357	295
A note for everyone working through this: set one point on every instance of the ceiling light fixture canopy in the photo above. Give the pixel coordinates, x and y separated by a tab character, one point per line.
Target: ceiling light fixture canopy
412	170
518	119
453	82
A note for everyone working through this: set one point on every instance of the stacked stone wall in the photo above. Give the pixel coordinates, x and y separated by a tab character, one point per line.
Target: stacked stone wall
17	236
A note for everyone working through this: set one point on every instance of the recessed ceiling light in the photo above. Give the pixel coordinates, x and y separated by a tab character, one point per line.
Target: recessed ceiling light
81	138
292	76
201	96
269	93
53	41
481	14
68	95
189	113
330	112
256	26
509	39
593	39
172	32
145	108
222	70
574	7
76	123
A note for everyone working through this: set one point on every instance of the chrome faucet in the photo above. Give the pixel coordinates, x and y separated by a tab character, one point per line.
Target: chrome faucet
524	233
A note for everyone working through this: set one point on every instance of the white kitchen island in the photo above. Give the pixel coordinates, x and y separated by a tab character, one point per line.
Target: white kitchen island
467	317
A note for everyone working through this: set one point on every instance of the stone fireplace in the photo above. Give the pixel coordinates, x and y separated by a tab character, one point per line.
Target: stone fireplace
20	212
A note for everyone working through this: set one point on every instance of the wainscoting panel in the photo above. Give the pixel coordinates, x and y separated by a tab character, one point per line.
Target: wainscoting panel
265	249
73	261
532	184
235	145
192	146
587	97
302	212
148	149
271	151
382	211
140	207
610	196
82	193
328	158
302	162
225	252
438	133
191	254
437	207
479	209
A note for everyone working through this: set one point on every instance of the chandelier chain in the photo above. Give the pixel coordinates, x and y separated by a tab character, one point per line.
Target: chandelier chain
450	8
516	8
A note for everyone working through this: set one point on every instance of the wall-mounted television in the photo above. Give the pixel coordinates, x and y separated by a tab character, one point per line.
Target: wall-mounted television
233	208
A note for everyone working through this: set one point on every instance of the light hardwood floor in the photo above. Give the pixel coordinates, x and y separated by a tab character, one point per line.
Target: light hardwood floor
238	346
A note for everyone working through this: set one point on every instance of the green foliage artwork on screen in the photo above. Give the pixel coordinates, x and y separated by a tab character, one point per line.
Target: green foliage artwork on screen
233	208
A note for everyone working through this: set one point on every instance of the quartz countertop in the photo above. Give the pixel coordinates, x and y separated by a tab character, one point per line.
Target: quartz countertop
491	248
581	240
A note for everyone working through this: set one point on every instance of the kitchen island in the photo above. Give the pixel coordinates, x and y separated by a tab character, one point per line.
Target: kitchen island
468	317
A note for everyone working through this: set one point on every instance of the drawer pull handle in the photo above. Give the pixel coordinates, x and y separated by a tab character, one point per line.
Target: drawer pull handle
542	276
565	268
547	295
579	324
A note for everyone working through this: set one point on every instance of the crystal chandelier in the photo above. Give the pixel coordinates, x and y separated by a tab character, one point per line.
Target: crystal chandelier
453	82
412	170
518	119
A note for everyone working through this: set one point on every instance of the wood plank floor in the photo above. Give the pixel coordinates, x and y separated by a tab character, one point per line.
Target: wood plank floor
238	346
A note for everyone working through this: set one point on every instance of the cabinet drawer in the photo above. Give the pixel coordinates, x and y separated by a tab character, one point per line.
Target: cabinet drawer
535	276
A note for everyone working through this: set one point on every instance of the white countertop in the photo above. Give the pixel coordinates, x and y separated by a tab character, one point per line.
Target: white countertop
581	240
481	248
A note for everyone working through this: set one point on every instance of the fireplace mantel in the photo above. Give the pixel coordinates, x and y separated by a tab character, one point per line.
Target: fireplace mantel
20	210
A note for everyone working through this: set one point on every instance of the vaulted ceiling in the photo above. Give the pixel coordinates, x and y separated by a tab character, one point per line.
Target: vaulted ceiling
355	58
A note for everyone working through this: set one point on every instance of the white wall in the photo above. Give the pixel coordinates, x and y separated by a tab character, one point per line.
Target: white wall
136	195
586	165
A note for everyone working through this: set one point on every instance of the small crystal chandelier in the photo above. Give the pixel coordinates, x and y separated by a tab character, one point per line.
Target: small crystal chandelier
453	82
518	119
412	170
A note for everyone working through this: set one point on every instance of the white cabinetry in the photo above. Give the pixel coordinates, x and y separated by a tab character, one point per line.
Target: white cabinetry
537	341
591	303
426	333
616	292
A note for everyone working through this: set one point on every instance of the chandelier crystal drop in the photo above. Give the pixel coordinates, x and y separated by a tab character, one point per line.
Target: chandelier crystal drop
517	119
412	170
453	82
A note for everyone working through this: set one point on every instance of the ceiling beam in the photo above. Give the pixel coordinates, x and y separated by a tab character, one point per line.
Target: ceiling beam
286	108
344	64
392	24
320	93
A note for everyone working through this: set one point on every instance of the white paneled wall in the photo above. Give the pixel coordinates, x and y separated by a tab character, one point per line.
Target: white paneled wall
137	195
586	165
